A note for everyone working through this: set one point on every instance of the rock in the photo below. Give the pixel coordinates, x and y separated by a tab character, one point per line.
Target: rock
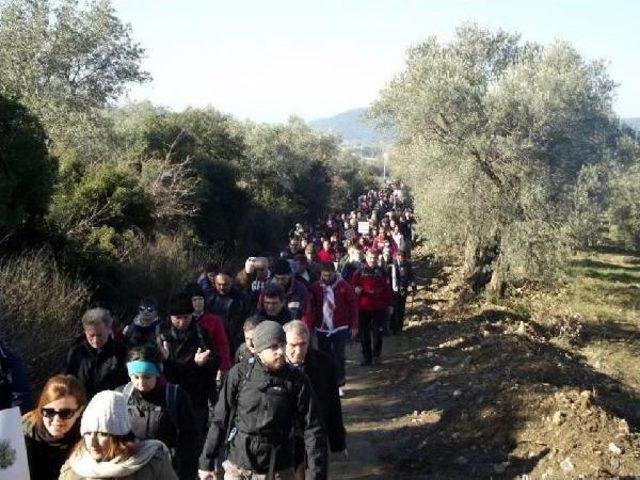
623	427
567	465
558	418
457	393
613	448
437	368
461	460
415	413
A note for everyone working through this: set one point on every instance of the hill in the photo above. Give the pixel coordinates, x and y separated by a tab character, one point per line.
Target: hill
633	123
354	128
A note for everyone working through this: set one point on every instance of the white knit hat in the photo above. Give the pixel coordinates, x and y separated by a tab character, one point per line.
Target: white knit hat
106	413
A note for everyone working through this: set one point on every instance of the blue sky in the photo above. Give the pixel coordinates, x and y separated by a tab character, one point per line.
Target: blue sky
269	59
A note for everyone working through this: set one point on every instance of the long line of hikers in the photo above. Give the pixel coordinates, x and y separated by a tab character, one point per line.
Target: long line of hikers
243	377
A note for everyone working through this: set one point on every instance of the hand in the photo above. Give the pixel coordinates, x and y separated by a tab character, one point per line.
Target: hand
354	333
163	346
201	357
249	265
358	290
206	475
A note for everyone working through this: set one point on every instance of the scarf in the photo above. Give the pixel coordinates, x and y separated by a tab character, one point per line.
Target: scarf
85	466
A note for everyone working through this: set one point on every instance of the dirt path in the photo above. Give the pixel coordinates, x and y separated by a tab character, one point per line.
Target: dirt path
478	392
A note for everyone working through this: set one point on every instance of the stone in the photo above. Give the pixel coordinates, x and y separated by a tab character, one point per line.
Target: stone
613	448
437	368
501	467
457	393
623	427
567	465
558	418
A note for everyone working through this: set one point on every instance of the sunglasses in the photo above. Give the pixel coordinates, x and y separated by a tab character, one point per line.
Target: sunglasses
146	308
63	414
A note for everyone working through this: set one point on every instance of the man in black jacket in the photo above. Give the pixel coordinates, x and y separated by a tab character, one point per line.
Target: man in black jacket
322	373
190	358
260	404
96	359
229	303
273	304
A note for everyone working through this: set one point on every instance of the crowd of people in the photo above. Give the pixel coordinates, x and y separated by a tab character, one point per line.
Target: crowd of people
243	378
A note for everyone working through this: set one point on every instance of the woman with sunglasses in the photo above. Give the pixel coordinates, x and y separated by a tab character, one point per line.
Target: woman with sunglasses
143	328
52	429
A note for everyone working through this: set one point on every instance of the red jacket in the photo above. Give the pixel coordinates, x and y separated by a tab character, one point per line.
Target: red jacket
376	293
213	324
346	304
326	256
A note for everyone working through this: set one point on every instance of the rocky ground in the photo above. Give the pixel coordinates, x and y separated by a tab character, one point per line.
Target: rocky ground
474	390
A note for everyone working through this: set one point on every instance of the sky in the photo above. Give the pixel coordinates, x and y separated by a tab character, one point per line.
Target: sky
266	60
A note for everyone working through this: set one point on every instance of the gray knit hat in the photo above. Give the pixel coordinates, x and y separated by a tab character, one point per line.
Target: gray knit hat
107	413
268	333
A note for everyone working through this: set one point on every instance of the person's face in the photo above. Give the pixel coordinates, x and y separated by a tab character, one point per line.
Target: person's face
60	415
223	284
212	277
96	335
180	322
302	266
147	313
297	347
272	305
198	303
282	280
372	259
309	256
274	357
326	245
303	243
143	382
328	277
96	443
248	339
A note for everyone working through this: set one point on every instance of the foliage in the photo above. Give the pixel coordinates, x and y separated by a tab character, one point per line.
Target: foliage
492	135
66	60
40	301
28	171
624	207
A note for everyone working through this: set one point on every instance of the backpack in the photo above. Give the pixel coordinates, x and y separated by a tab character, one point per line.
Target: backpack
170	400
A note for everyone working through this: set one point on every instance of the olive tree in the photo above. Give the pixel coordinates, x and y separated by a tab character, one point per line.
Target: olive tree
492	133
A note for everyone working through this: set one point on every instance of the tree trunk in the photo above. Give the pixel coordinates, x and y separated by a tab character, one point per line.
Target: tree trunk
479	261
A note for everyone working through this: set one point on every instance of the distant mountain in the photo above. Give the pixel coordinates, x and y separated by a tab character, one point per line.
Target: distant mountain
354	128
633	123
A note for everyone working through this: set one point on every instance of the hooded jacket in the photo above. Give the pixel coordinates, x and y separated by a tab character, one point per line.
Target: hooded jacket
150	462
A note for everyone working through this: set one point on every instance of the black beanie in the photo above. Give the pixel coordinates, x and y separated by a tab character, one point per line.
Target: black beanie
180	304
282	267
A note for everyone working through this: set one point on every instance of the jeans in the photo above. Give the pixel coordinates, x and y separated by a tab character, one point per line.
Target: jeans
336	346
371	327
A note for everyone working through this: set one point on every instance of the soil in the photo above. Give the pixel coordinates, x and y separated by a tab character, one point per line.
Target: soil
475	391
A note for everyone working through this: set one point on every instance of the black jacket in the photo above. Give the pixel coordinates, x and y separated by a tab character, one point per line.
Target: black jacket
45	454
156	416
269	404
231	308
321	370
181	368
282	318
97	369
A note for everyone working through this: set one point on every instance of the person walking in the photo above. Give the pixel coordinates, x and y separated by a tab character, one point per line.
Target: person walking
260	405
324	377
375	301
96	359
336	316
161	410
52	429
109	450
